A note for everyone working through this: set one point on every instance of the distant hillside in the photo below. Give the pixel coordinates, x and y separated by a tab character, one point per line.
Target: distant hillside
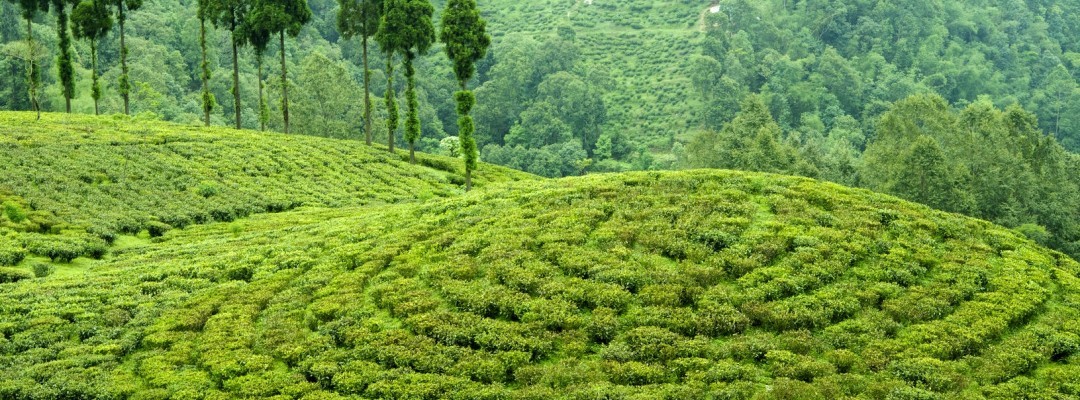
682	285
71	184
645	45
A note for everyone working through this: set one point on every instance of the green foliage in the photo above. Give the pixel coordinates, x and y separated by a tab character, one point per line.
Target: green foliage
95	187
643	285
64	61
327	101
42	270
752	141
12	275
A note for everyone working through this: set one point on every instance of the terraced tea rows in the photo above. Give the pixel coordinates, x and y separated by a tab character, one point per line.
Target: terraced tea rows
697	284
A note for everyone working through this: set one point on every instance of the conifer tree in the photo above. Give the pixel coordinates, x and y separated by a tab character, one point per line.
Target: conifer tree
297	14
464	34
208	100
255	32
122	8
390	42
418	38
92	22
64	63
361	18
231	15
30	8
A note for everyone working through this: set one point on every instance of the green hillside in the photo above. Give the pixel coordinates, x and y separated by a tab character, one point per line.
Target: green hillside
645	45
71	185
680	285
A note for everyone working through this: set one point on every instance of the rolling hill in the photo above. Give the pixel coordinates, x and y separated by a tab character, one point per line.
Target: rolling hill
71	185
678	285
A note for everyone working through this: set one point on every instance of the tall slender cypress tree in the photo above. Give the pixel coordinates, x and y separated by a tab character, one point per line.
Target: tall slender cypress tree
92	22
230	15
361	18
64	63
255	32
30	8
122	8
208	100
390	42
464	34
407	29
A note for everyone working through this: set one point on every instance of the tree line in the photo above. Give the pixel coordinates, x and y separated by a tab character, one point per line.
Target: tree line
403	30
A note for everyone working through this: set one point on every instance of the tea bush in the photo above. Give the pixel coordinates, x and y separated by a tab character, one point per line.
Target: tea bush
71	184
681	285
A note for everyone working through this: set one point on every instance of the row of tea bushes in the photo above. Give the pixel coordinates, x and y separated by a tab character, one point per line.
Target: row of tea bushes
678	285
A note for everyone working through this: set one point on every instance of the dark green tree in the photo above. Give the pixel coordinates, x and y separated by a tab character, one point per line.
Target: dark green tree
30	8
361	18
465	35
752	141
231	15
284	17
925	176
122	8
409	24
255	32
390	41
208	100
92	22
64	63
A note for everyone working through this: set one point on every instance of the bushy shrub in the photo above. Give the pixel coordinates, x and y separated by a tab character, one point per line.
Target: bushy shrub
157	228
42	270
11	254
11	275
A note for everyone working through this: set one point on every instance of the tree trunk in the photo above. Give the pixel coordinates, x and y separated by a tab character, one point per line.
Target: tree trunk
284	85
367	94
14	82
391	105
66	70
262	101
236	79
205	73
31	69
412	121
125	84
95	90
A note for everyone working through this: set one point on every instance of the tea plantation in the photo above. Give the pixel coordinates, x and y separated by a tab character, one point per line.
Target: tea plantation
389	284
71	185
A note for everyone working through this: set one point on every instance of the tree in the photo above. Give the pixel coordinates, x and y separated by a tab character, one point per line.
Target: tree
389	42
283	17
924	176
327	98
207	98
577	104
64	63
231	15
361	18
122	7
464	34
255	32
30	8
407	29
751	141
92	22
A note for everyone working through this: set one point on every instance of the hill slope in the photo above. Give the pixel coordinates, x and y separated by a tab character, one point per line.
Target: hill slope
71	184
698	284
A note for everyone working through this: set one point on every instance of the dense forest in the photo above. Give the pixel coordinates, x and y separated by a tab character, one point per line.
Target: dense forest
970	107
